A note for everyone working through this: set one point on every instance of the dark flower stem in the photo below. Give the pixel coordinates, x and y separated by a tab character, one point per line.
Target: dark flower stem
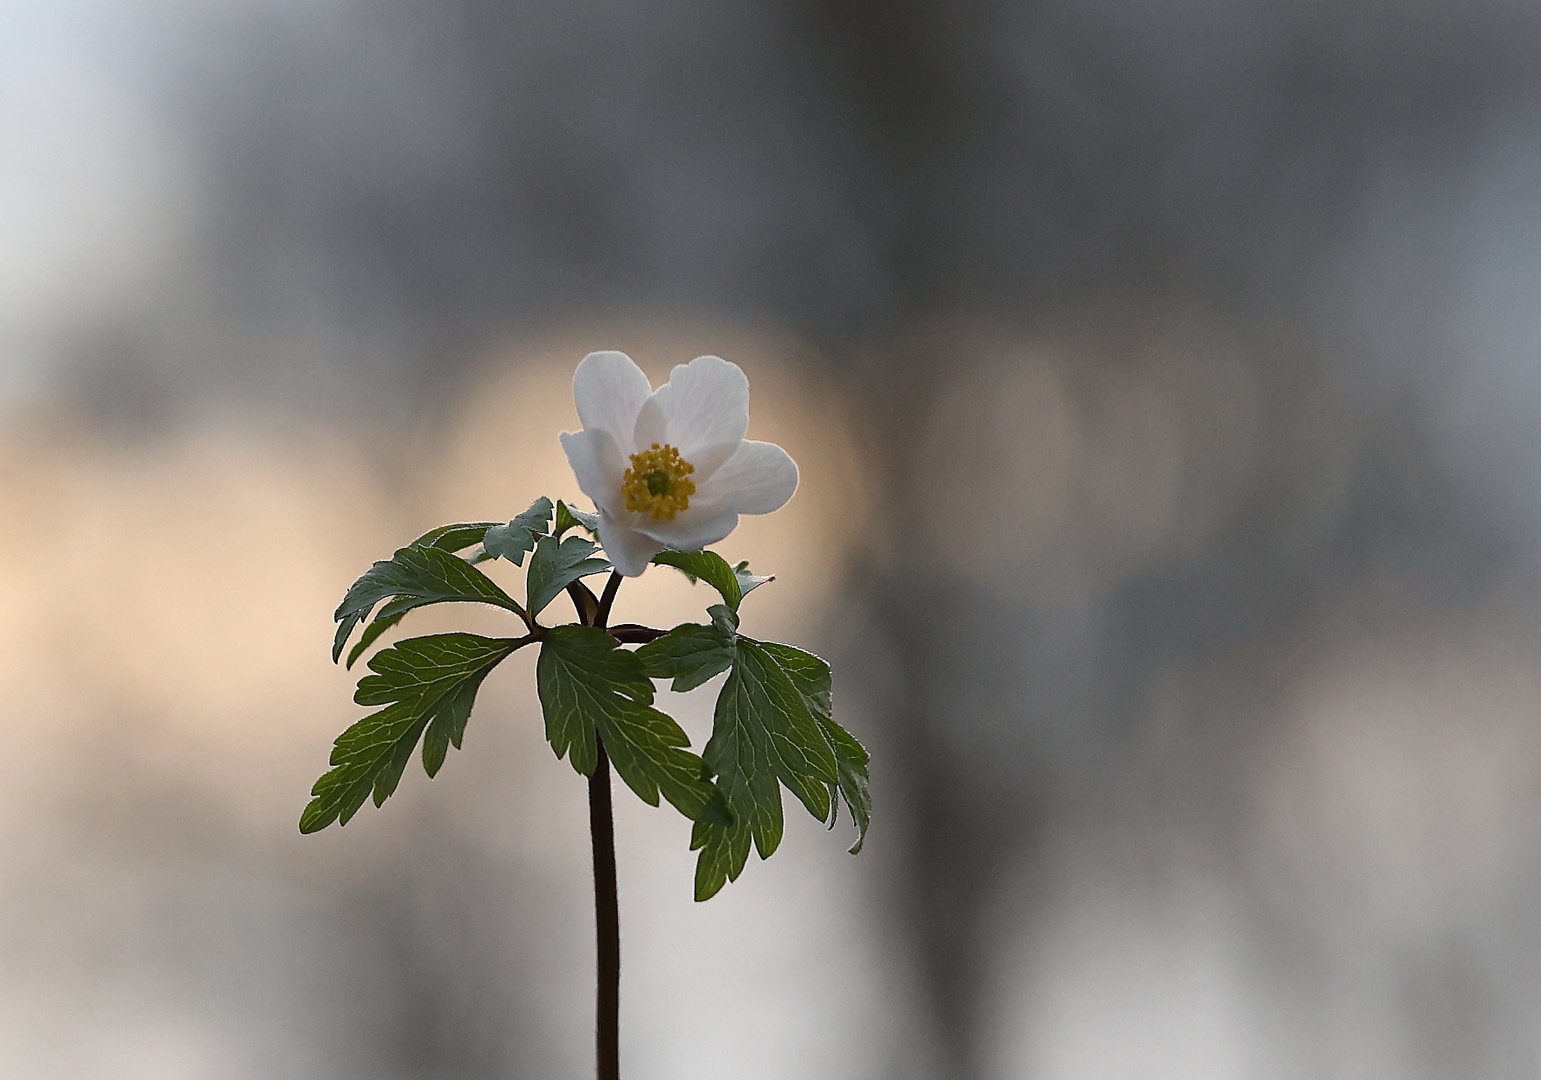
607	600
607	924
632	634
607	915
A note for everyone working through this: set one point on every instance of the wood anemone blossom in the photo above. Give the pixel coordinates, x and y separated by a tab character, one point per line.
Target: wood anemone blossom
670	468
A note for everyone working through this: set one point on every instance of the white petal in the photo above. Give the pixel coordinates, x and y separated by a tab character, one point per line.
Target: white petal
758	478
652	425
693	529
630	551
709	459
705	402
609	391
597	463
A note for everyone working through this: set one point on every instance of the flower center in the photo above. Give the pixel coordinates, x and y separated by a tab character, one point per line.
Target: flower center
658	482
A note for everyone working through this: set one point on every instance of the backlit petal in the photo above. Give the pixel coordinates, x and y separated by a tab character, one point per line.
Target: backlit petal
693	529
758	478
652	426
709	459
609	391
630	551
597	463
705	402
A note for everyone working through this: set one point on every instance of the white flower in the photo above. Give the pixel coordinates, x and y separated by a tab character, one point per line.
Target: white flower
670	468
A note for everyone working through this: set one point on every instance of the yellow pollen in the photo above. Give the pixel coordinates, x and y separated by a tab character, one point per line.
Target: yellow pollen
658	482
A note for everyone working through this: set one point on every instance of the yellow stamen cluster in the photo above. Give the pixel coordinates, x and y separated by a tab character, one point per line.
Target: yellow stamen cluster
658	482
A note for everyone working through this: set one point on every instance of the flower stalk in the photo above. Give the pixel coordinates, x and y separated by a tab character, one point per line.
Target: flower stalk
607	908
607	925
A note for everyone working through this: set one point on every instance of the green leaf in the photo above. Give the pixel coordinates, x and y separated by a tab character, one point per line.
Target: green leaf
450	538
414	576
812	678
514	540
568	518
767	698
554	566
722	858
808	673
648	750
689	654
747	582
732	583
425	683
587	684
724	620
575	678
448	725
371	633
763	733
455	537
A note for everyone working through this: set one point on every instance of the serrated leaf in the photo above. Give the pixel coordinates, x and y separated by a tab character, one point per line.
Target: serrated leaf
649	751
371	633
740	755
763	736
690	654
710	567
575	678
448	726
449	538
414	576
803	756
852	757
811	676
588	685
427	683
555	565
722	858
747	582
809	673
455	537
514	540
725	620
568	518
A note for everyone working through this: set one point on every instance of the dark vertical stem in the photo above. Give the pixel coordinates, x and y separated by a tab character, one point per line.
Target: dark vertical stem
607	912
607	923
607	600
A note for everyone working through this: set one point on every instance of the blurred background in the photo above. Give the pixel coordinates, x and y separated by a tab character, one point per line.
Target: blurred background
1165	379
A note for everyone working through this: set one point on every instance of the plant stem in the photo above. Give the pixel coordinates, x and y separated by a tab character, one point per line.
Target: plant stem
607	914
607	923
606	601
633	634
